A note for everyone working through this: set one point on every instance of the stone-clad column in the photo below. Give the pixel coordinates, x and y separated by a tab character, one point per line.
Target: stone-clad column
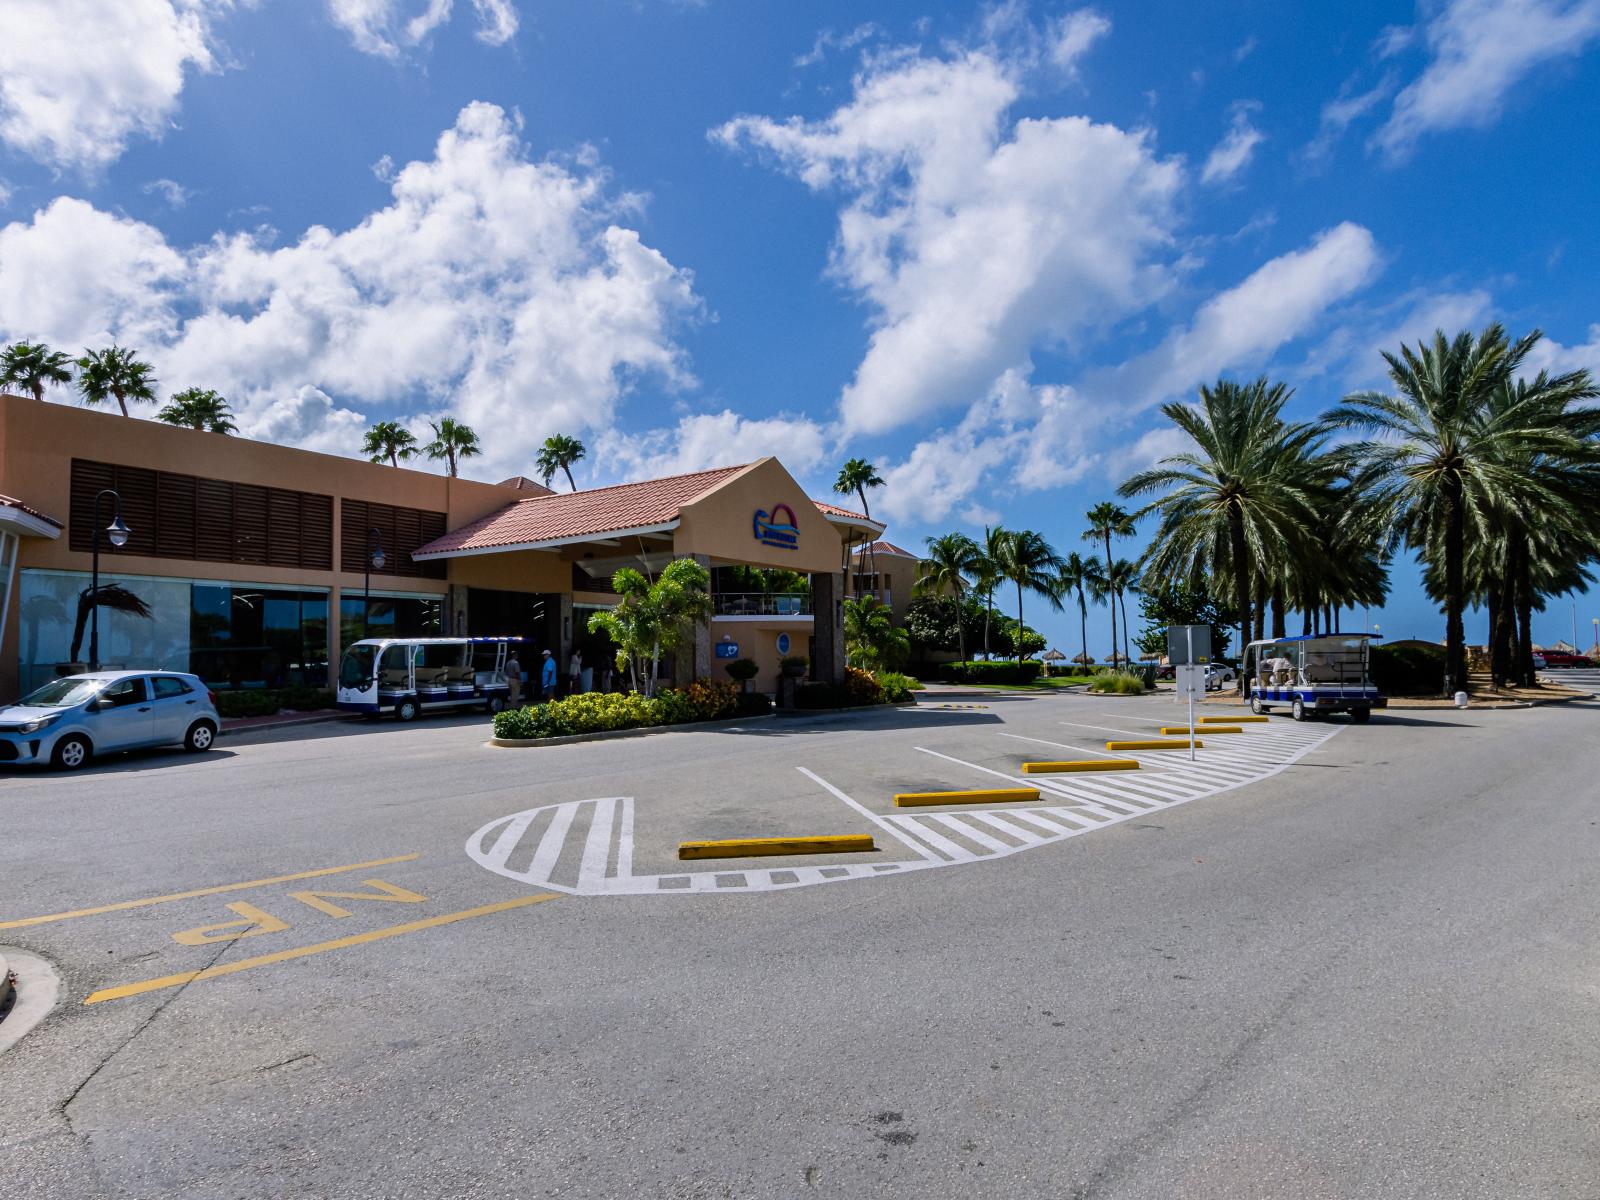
693	659
827	633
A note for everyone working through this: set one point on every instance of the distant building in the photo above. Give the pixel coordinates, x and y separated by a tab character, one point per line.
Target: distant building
888	572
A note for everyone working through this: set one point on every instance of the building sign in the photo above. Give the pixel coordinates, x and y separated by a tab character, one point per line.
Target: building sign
783	643
777	528
727	649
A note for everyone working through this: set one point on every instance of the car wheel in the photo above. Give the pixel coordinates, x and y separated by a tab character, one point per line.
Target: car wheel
200	738
71	752
495	705
1256	706
406	710
1298	710
1361	715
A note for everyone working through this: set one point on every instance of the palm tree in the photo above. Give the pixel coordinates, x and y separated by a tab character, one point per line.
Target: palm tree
451	441
943	571
32	365
857	475
869	632
1077	575
1444	459
1242	497
389	440
1121	578
115	373
987	576
1106	521
199	408
1031	563
558	454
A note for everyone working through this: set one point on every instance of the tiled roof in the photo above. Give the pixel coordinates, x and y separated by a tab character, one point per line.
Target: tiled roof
881	547
581	514
523	484
833	510
10	502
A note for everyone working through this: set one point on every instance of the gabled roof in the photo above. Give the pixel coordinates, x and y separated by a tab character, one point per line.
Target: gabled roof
881	547
523	484
16	505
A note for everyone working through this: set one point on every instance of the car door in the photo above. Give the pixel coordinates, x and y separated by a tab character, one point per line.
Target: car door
173	704
122	717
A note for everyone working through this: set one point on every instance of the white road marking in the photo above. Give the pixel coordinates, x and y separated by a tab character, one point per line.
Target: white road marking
586	847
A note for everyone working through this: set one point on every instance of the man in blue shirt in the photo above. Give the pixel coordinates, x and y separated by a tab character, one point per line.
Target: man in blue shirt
547	678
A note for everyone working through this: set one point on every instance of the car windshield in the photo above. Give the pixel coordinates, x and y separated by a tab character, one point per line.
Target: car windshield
62	693
355	670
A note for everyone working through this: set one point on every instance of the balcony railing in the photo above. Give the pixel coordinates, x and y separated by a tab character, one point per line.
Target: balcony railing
761	604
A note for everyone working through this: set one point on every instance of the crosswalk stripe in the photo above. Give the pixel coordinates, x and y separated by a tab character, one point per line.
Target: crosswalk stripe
937	840
555	837
995	820
597	848
976	835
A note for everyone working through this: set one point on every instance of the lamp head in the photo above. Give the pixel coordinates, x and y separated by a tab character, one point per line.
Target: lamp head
377	559
117	532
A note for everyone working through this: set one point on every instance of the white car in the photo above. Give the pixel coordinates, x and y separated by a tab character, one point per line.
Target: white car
70	720
1218	676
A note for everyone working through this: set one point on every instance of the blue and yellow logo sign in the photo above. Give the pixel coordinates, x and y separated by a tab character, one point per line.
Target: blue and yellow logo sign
777	528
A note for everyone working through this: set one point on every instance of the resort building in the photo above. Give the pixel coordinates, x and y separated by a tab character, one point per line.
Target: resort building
258	563
888	572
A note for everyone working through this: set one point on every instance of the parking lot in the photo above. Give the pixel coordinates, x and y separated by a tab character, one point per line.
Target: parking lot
284	962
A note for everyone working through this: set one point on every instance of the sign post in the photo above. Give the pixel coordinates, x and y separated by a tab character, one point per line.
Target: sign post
1189	650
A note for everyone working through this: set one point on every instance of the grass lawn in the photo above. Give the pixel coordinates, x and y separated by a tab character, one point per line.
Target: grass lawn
1038	685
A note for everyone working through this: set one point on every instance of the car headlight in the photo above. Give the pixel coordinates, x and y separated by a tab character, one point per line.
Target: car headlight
35	726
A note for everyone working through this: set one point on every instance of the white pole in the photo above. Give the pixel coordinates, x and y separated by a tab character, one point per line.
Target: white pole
1188	634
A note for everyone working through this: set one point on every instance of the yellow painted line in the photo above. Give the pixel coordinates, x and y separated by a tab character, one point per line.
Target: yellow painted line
753	847
1185	730
1084	764
1233	720
982	796
1151	744
209	891
264	960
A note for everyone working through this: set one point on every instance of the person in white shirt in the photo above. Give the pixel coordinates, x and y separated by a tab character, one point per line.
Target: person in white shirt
575	673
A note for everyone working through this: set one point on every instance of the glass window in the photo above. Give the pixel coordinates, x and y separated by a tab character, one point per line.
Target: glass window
124	692
389	617
51	642
167	686
61	693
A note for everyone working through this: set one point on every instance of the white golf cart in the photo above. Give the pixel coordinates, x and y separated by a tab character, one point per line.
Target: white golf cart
406	676
1314	674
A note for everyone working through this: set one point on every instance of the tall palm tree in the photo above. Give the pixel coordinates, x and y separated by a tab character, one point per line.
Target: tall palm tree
1241	497
987	575
389	440
199	408
1121	578
1031	563
115	373
1443	459
858	475
1106	521
943	571
451	441
1077	576
558	453
31	366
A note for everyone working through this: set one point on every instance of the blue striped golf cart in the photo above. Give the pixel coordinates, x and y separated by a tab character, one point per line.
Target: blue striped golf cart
1312	675
405	676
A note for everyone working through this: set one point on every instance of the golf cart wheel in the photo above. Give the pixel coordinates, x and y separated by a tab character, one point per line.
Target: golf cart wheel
71	752
406	710
1361	715
201	737
1256	706
1298	710
494	705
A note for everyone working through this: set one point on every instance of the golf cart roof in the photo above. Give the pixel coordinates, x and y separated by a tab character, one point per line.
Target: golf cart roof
1315	637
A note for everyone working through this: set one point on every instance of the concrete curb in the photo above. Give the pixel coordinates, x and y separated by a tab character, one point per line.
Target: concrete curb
321	718
7	982
38	990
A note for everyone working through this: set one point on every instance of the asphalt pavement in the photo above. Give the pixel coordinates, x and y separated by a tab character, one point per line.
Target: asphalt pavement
1322	960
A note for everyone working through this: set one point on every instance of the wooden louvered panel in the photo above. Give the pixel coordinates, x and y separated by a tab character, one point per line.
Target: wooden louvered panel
433	526
283	528
316	532
352	533
213	533
175	515
407	537
137	487
88	478
249	523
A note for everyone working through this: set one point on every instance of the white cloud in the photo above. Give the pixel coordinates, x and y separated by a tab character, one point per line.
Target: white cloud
1338	113
1246	48
973	238
1479	52
1232	155
387	28
1074	35
79	78
828	41
1353	352
173	192
1550	355
719	439
492	286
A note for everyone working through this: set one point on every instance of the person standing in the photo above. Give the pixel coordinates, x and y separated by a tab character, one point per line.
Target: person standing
514	680
547	677
575	672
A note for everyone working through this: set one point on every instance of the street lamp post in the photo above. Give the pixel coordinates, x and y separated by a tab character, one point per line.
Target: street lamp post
374	560
117	534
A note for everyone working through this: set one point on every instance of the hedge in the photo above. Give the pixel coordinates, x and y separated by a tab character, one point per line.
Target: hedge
263	702
1002	671
601	712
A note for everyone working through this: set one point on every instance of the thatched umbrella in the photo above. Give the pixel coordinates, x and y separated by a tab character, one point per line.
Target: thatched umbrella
1053	655
1083	660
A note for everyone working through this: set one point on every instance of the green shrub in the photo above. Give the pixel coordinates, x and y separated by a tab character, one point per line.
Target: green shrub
517	723
1120	684
603	712
1001	671
742	670
897	688
862	687
675	708
1408	670
247	704
712	699
305	699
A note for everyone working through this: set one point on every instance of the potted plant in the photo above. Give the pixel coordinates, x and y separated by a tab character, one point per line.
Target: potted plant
794	665
742	671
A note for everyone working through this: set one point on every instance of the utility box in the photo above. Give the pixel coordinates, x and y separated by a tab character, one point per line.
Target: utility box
1188	645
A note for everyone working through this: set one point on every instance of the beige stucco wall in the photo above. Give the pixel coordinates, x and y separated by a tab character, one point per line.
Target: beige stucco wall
758	640
722	524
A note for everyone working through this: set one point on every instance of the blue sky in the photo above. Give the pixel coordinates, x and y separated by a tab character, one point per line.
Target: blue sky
978	245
